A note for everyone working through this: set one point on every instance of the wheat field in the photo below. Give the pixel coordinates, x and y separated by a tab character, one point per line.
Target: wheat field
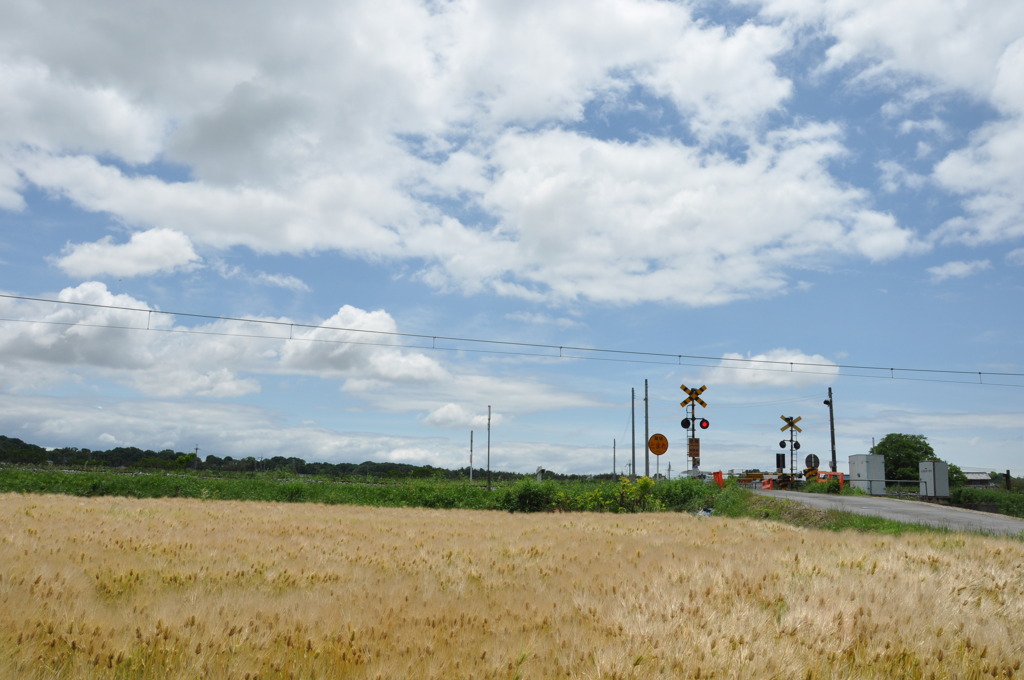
122	588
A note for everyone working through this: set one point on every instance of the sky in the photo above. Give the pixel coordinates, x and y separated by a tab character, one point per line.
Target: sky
350	230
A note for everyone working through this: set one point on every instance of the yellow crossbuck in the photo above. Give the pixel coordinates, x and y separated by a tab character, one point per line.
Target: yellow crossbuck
694	396
791	423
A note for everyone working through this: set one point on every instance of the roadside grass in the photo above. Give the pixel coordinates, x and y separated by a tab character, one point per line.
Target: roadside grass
798	514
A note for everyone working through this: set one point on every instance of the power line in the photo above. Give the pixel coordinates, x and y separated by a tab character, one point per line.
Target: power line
525	348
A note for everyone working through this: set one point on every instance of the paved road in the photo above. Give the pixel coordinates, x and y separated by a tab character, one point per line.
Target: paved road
915	512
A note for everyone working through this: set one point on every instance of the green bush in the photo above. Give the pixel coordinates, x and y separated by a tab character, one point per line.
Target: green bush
686	495
529	496
831	486
1006	502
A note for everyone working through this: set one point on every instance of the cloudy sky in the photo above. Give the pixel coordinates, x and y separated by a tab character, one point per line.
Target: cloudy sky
768	197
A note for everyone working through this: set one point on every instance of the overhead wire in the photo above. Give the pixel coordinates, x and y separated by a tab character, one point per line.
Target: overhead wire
519	348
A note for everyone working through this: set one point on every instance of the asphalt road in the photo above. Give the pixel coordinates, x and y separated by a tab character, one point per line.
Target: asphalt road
914	512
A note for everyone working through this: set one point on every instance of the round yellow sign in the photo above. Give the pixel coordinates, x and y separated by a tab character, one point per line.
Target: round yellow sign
658	444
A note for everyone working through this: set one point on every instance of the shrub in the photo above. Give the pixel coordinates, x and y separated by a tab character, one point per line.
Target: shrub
529	496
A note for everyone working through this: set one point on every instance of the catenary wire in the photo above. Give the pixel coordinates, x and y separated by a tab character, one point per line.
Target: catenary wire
539	350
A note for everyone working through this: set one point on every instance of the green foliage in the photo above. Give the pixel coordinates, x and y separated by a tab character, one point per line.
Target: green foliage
732	501
903	453
830	486
526	495
529	496
16	451
998	500
686	495
957	477
641	495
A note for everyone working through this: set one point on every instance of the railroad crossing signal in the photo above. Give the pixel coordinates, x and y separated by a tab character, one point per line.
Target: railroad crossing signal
794	445
791	422
694	396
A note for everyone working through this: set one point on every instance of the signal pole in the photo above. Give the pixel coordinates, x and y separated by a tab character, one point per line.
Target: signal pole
489	447
832	428
647	434
632	411
690	424
794	445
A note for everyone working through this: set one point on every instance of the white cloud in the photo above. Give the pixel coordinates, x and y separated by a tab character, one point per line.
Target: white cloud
581	218
481	105
361	351
988	175
148	252
958	270
11	186
457	416
775	368
1016	257
286	281
442	102
894	177
217	359
952	45
928	50
48	110
988	172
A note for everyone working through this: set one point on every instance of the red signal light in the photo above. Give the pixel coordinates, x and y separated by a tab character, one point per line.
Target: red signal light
704	424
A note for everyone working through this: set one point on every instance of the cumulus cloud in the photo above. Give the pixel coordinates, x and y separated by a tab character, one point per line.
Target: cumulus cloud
775	368
989	171
958	270
447	103
458	416
951	46
45	109
952	49
148	252
111	336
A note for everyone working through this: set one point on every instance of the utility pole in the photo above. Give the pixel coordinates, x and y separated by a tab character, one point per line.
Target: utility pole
488	447
632	412
832	428
615	468
471	455
647	434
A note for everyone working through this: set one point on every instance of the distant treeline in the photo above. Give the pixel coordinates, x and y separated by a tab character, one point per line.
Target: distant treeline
16	451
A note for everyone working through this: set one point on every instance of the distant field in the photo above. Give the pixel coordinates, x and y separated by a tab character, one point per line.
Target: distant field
180	588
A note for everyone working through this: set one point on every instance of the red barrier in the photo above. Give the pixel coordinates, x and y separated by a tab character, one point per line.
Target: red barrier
768	484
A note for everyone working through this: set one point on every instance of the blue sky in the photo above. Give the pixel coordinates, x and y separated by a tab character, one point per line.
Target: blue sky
703	187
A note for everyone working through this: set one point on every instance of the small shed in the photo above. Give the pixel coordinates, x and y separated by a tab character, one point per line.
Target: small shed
979	480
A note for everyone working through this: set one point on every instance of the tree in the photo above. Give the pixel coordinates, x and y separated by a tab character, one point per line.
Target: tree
902	454
956	476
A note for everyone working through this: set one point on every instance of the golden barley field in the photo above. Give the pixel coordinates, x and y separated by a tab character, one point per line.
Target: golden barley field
122	588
